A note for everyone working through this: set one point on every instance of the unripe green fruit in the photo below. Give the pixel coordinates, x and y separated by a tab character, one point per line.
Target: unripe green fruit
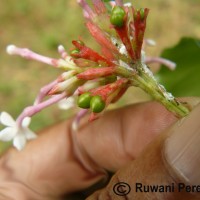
97	104
84	100
117	16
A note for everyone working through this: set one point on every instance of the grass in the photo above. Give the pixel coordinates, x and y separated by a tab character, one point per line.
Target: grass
42	25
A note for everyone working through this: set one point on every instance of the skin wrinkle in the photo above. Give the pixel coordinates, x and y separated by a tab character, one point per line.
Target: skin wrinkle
84	159
20	191
17	183
90	174
43	176
10	175
122	127
119	142
79	153
149	127
83	150
5	197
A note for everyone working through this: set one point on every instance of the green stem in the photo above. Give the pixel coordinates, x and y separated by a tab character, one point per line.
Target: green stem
143	78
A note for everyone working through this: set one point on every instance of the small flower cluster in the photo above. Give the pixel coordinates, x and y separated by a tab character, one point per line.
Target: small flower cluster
98	79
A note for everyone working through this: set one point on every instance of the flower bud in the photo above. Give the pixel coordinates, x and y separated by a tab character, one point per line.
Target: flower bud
117	16
97	104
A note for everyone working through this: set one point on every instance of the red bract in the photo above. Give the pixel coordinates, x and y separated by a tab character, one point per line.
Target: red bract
120	93
124	36
88	53
101	37
94	73
109	89
140	25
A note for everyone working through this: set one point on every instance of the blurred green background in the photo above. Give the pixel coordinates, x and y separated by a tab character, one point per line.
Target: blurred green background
43	25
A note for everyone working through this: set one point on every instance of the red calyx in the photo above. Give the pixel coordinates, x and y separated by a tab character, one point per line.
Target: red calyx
120	94
94	73
106	90
140	26
101	38
88	53
124	36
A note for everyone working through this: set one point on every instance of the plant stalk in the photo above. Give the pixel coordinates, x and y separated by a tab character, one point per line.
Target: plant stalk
142	77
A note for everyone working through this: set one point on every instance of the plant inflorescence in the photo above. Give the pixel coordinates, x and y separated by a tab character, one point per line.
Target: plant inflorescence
96	78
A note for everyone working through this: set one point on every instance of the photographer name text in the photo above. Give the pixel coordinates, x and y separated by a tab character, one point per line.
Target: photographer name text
180	187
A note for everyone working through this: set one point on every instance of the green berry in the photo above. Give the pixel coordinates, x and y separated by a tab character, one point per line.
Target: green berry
84	100
97	104
117	16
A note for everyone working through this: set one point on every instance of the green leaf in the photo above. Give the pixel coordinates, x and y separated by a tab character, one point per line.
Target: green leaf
185	79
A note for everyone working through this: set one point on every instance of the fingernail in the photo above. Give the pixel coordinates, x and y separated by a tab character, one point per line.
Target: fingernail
182	148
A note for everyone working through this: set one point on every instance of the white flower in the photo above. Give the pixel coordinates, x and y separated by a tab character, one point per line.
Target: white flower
19	135
66	104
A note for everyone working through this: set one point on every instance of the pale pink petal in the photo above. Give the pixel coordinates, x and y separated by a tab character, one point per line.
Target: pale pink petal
6	119
7	134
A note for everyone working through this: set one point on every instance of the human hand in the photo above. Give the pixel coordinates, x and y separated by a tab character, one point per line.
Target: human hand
60	161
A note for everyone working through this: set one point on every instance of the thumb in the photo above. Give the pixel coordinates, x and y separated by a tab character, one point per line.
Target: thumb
167	169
